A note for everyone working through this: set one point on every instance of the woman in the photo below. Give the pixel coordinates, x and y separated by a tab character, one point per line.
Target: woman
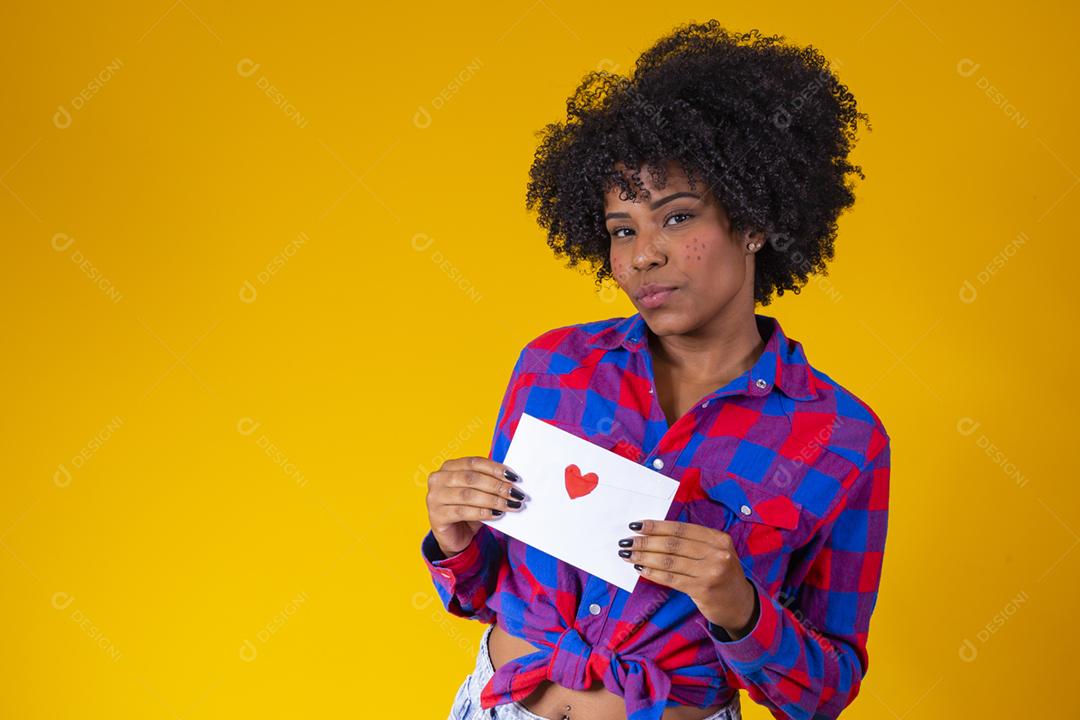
705	183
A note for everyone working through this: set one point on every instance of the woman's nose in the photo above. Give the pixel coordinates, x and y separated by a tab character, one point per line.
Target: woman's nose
648	252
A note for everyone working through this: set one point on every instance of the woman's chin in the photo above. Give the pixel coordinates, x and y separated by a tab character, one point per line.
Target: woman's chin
667	321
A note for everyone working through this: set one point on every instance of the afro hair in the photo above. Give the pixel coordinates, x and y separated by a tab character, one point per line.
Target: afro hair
766	125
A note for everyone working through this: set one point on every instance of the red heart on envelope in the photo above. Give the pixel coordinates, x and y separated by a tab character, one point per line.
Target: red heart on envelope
578	485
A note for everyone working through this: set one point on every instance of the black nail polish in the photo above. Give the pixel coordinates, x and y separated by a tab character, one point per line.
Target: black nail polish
511	475
515	493
626	542
638	567
635	525
496	513
514	503
625	553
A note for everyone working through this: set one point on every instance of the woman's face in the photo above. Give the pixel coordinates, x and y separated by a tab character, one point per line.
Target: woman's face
678	239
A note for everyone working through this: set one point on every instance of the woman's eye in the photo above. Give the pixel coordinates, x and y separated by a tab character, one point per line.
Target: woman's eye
615	233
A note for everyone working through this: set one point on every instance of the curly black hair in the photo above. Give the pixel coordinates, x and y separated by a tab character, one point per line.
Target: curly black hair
766	125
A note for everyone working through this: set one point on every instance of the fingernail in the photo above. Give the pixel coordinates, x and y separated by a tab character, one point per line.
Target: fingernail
496	513
638	567
636	525
625	553
511	475
626	542
515	493
514	503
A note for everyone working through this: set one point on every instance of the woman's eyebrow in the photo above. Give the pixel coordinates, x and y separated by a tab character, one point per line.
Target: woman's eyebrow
656	204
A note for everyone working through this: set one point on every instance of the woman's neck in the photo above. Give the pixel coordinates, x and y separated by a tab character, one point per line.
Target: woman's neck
710	356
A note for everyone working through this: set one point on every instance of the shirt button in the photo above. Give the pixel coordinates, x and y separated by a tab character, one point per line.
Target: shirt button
745	510
762	383
658	464
594	609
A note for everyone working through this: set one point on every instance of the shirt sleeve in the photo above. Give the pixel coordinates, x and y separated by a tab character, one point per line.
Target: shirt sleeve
465	581
806	658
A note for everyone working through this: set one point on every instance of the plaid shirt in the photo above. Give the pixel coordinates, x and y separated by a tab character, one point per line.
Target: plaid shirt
790	464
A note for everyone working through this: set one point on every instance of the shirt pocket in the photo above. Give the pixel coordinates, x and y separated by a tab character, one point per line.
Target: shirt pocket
764	523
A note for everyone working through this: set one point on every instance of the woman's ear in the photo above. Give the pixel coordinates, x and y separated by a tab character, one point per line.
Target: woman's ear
753	241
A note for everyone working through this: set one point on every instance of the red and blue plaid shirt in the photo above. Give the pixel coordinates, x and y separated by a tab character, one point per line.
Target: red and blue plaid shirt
790	464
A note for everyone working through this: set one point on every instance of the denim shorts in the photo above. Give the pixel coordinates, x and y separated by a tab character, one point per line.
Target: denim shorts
467	701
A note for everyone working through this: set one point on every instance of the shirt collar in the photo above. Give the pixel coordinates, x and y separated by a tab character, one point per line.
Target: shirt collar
783	363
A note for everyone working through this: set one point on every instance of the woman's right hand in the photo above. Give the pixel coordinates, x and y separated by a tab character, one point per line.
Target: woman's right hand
465	491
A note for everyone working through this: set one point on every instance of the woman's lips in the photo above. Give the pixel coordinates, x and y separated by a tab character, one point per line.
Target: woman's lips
656	299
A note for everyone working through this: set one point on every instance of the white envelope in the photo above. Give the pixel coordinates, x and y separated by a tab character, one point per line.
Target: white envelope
609	491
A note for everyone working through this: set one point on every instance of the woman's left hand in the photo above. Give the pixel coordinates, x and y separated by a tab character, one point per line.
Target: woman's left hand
701	562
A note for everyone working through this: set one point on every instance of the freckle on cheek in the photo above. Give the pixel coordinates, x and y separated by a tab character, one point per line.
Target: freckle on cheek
694	249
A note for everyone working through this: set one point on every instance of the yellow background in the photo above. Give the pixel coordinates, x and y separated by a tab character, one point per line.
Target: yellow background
276	265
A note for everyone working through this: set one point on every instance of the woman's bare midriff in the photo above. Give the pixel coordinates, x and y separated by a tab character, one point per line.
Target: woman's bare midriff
550	699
